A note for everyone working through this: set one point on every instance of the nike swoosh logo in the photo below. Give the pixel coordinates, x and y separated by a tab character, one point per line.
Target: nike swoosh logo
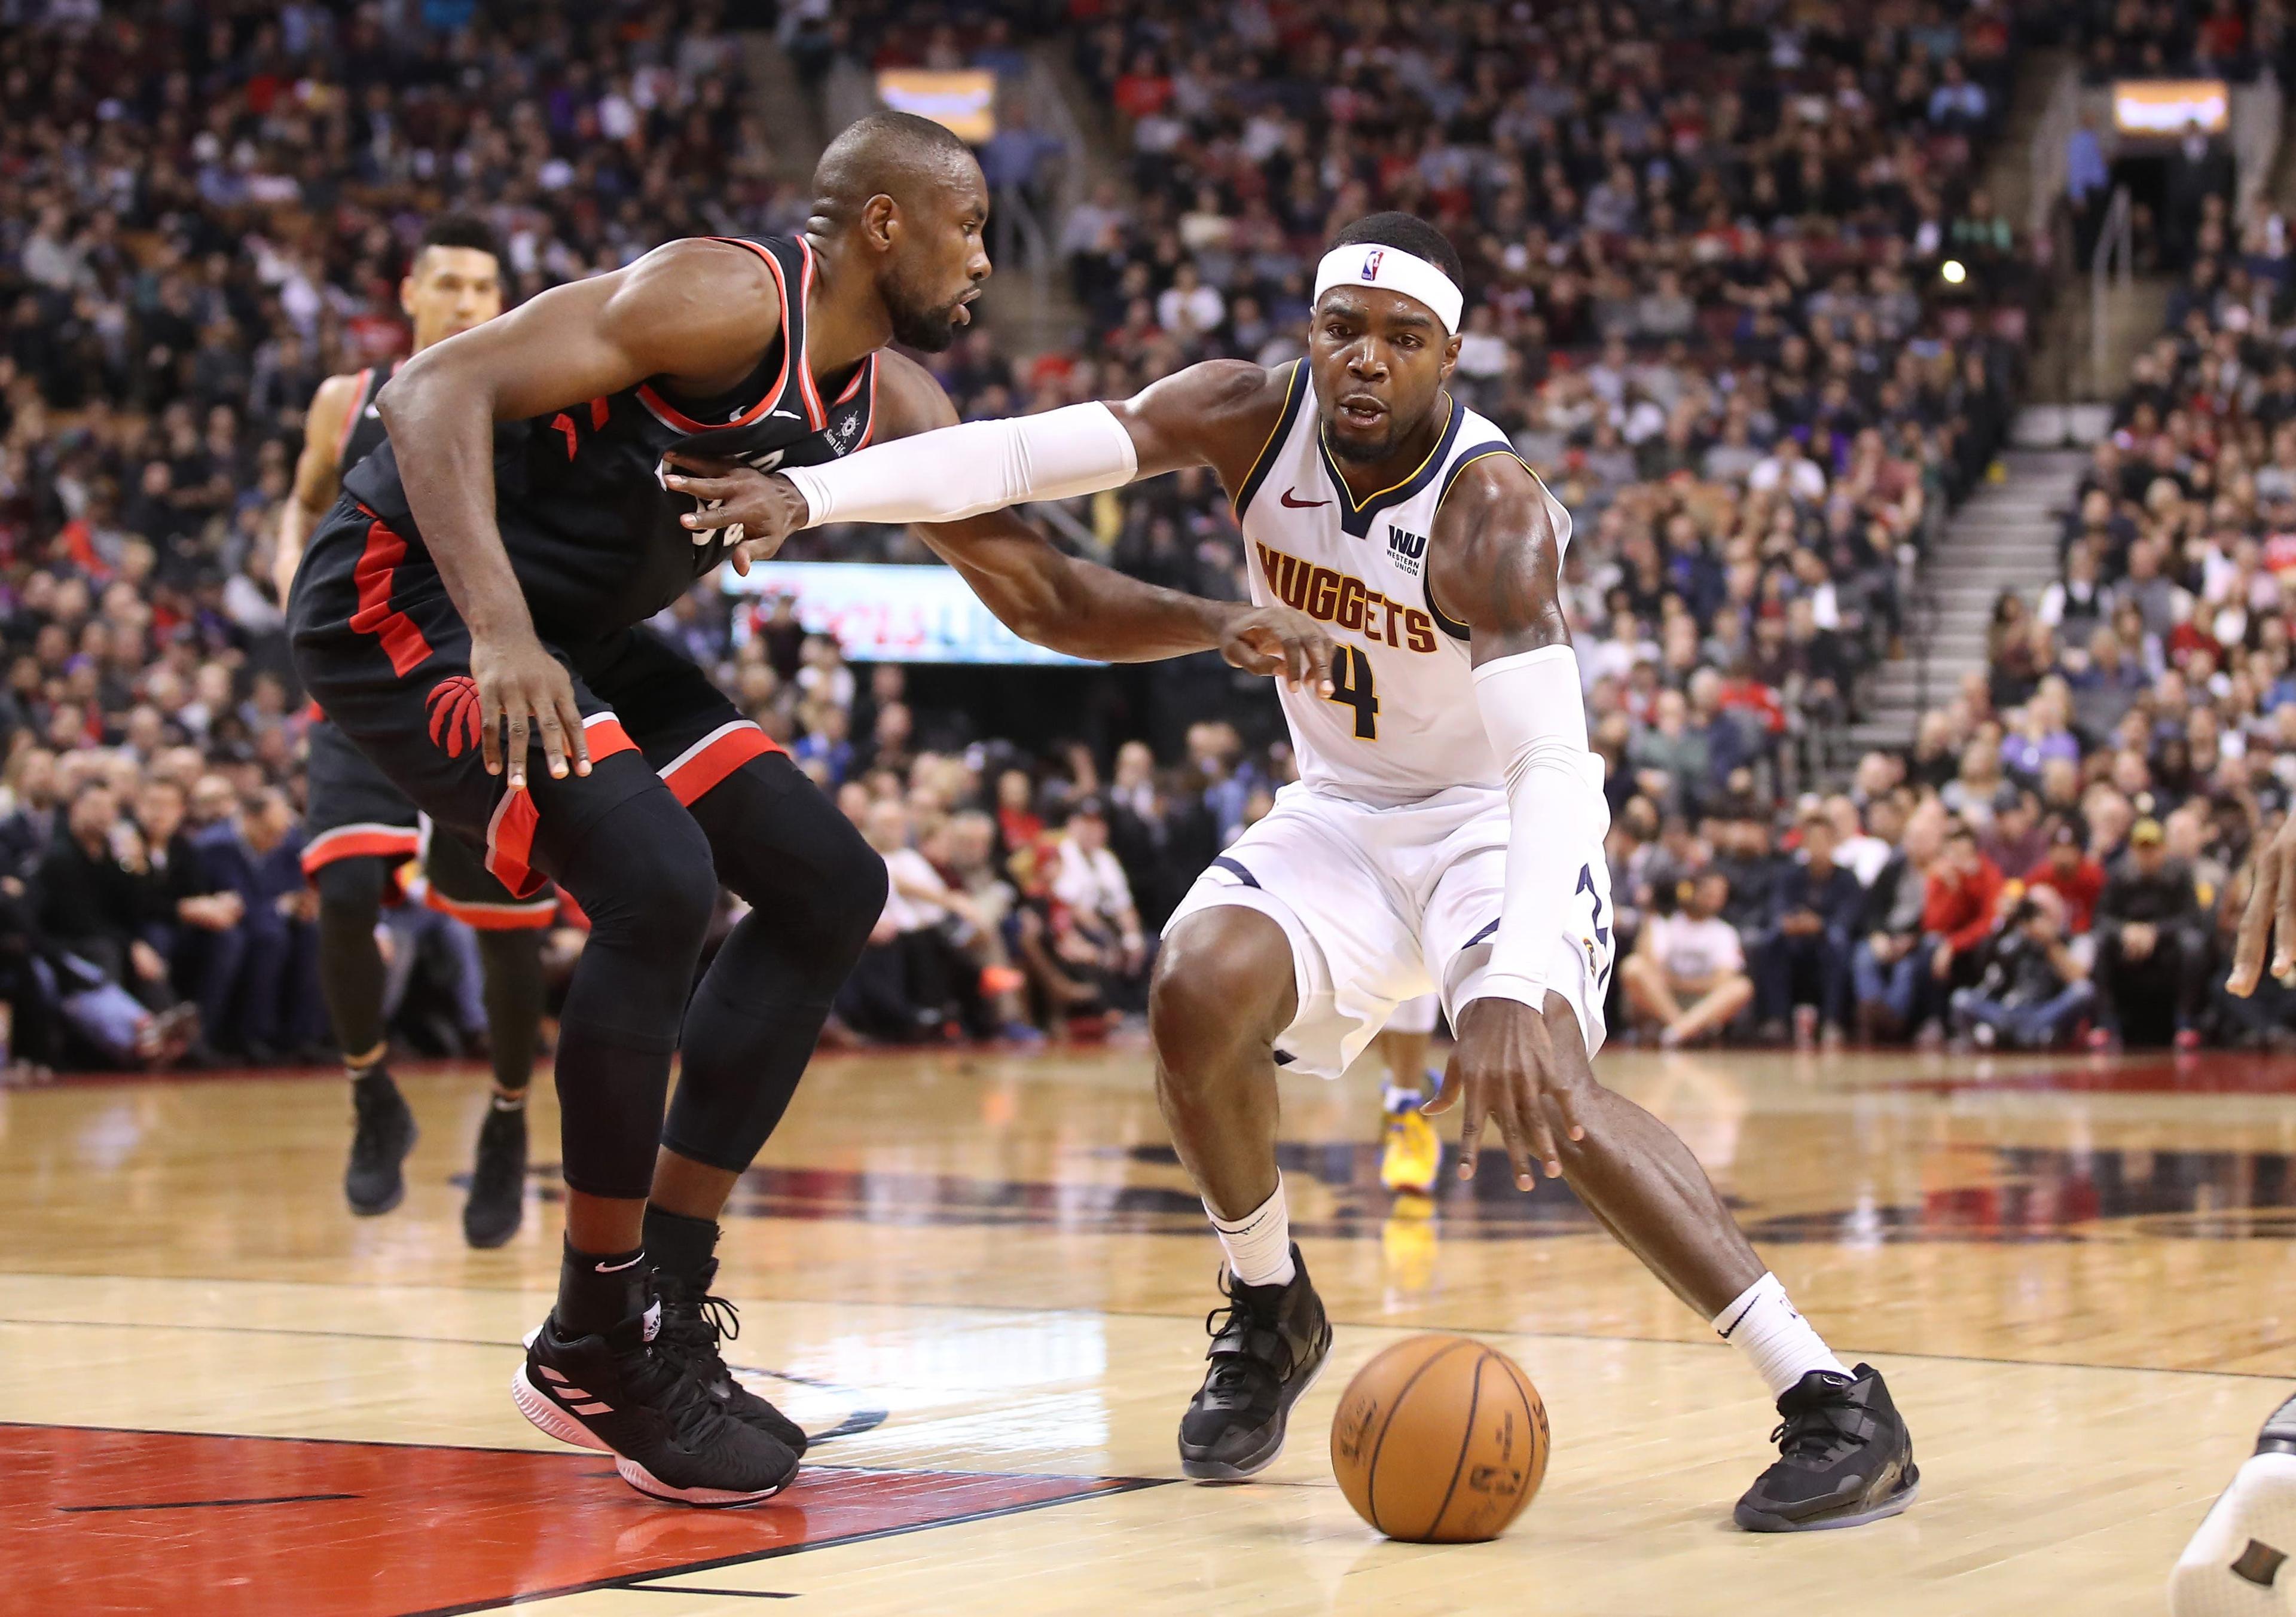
789	415
1301	504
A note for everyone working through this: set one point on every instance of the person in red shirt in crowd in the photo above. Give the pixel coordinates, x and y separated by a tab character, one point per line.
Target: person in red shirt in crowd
2075	877
1963	894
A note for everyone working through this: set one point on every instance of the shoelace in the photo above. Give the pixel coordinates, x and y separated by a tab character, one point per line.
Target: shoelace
1233	1369
692	1327
1808	1434
662	1380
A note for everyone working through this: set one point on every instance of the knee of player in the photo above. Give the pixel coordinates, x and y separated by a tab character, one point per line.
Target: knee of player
1218	985
647	874
856	884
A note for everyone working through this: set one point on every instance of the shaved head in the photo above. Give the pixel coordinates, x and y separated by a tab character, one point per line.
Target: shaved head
886	154
904	196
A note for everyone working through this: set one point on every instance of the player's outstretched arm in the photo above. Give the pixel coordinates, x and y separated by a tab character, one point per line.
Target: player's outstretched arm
1494	563
698	312
957	483
317	477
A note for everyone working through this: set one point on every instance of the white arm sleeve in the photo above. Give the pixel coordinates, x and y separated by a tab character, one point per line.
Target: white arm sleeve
964	470
1536	717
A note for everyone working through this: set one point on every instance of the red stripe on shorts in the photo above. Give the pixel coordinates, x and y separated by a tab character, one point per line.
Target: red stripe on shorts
715	756
378	564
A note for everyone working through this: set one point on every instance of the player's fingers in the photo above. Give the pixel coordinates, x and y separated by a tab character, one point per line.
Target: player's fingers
578	734
2255	926
515	760
1470	1137
703	465
705	488
554	741
1447	1092
1541	1135
1319	652
490	717
1516	1139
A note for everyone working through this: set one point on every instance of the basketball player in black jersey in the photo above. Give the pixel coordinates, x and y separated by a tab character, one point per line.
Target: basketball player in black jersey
483	582
363	831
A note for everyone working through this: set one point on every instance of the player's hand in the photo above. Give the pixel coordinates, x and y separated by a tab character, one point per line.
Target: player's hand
754	509
1285	644
519	681
2271	913
1504	1073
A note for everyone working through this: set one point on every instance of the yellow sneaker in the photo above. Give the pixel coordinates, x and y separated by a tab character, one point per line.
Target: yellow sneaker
1413	1156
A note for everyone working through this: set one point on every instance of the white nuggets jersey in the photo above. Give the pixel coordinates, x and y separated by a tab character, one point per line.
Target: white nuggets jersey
1402	723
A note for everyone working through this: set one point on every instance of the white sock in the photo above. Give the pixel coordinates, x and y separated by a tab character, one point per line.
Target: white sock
1259	1244
1761	1322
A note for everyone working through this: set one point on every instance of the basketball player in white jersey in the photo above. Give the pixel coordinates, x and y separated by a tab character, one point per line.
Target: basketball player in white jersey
2233	1566
1446	837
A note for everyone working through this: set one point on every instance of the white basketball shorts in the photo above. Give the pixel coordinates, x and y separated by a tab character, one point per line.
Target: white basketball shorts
1384	903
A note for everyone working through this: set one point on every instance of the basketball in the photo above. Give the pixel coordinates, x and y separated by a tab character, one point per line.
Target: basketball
1439	1440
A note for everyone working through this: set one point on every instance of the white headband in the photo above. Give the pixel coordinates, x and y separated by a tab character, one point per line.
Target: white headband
1368	264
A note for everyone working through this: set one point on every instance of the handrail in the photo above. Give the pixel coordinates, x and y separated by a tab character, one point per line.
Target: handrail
2115	259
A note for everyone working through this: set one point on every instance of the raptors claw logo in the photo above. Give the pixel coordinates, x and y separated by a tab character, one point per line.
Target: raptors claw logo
454	705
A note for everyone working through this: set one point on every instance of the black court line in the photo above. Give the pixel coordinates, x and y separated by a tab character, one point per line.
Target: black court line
722	1594
631	1580
283	1498
998	1308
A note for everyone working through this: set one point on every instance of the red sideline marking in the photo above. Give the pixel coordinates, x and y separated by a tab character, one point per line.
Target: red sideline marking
429	1530
402	642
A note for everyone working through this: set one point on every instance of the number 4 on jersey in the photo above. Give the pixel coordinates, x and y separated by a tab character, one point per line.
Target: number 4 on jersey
1352	684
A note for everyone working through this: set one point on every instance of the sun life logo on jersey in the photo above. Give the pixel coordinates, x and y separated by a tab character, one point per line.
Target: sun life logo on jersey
843	431
1406	551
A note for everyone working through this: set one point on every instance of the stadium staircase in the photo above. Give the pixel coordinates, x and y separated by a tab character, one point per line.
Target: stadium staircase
2003	536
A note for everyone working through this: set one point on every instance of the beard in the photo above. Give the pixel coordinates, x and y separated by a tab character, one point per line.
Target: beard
1363	450
928	327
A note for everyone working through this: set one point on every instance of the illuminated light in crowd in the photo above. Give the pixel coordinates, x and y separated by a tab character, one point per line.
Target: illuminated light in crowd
1954	271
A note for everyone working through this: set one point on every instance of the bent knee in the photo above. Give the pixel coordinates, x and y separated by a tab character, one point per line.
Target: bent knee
1224	979
644	873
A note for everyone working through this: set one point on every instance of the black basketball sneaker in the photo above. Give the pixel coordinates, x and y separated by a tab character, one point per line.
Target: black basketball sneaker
692	1323
1845	1458
498	1201
383	1136
1269	1345
620	1392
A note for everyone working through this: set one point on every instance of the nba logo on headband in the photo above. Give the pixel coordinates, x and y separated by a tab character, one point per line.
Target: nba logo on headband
1371	263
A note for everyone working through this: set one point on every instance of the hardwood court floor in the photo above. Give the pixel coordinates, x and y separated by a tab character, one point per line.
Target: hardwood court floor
986	1277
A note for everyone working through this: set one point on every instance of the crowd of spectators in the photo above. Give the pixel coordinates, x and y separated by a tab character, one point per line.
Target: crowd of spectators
2061	856
1708	254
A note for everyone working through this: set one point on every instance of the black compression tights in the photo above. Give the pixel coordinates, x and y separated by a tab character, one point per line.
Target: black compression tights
350	964
512	960
643	875
816	890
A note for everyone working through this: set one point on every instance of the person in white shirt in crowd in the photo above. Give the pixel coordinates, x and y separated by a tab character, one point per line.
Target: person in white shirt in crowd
1788	468
1090	882
1688	971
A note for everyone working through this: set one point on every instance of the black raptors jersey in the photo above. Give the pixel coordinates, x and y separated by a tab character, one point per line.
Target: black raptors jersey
362	432
592	532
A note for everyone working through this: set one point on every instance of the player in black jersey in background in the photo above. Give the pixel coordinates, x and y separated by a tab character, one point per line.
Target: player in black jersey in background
362	829
484	580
